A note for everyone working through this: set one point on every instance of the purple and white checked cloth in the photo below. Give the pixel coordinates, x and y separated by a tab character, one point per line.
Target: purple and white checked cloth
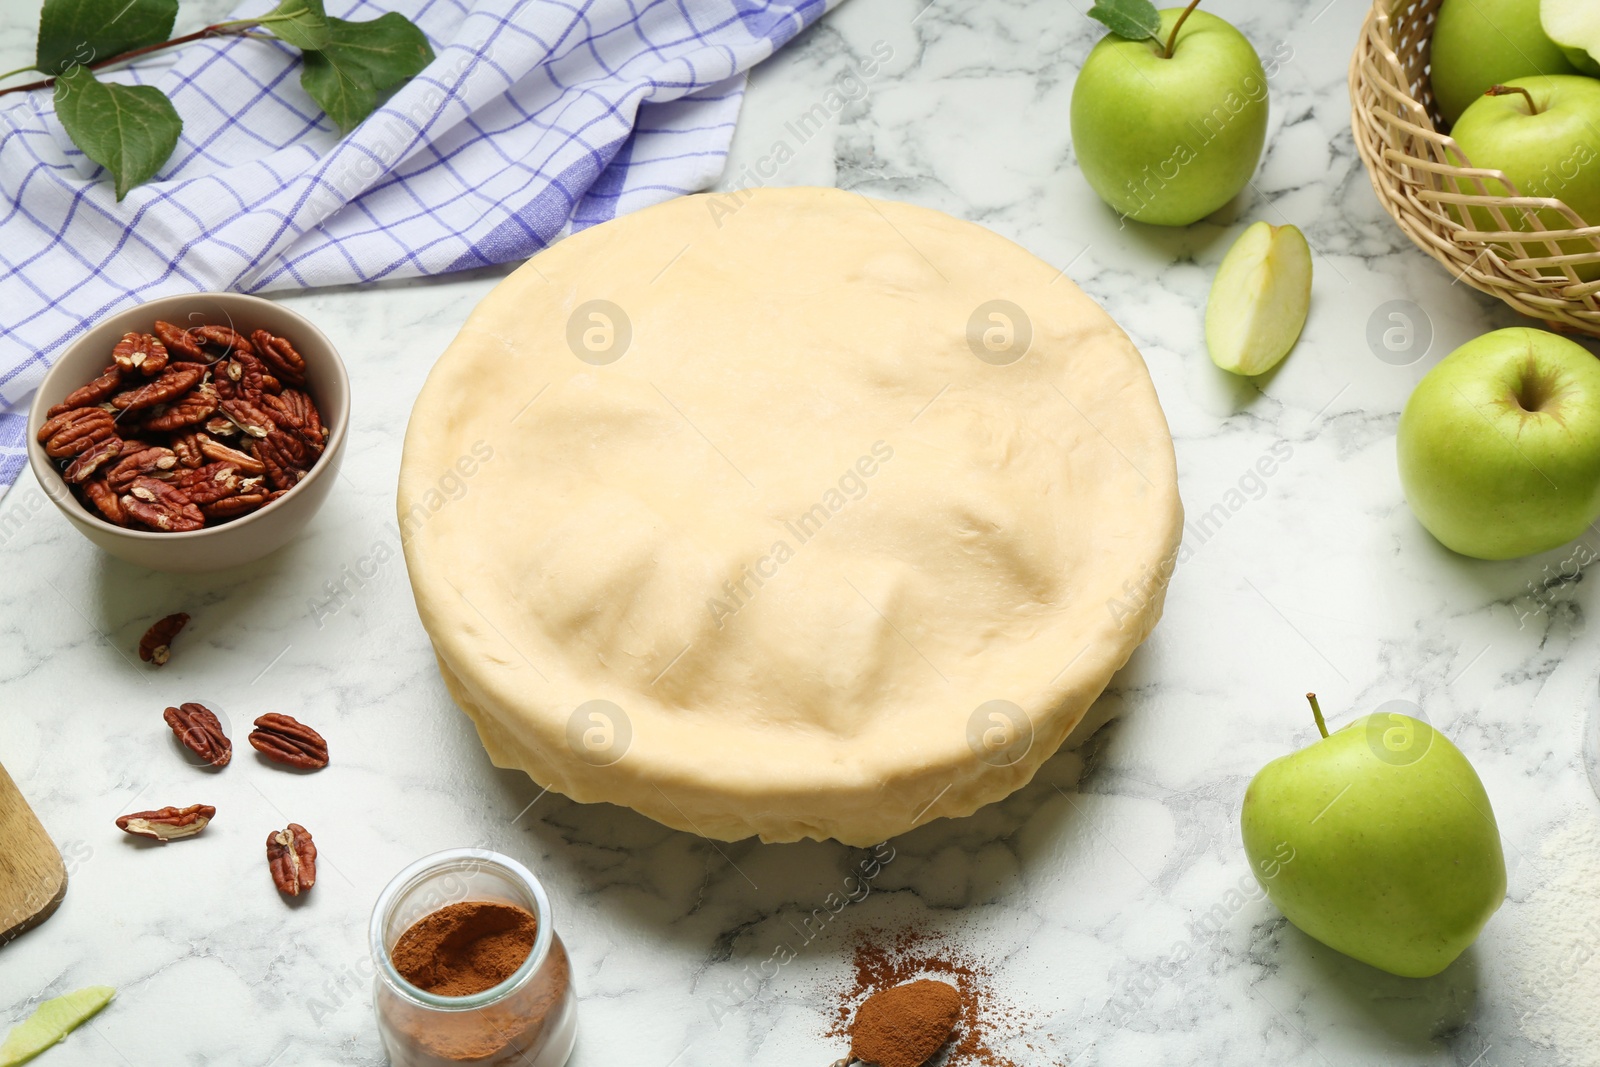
538	117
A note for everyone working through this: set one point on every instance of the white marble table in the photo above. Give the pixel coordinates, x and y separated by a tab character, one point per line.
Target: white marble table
1083	888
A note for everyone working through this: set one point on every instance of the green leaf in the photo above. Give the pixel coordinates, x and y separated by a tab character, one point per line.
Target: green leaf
1137	20
128	129
301	23
361	61
75	33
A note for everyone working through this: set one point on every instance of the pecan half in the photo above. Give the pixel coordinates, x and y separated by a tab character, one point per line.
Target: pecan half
285	740
224	337
140	352
221	426
210	483
179	344
140	461
201	733
193	407
169	823
189	448
216	450
109	382
231	507
105	501
279	355
92	459
156	644
75	431
292	858
177	380
161	506
247	416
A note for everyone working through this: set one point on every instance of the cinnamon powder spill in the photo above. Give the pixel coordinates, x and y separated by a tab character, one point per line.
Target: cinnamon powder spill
881	961
465	948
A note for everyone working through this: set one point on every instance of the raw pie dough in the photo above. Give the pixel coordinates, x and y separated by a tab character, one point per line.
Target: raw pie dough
798	532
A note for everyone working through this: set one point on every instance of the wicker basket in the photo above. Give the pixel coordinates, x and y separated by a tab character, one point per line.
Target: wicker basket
1414	169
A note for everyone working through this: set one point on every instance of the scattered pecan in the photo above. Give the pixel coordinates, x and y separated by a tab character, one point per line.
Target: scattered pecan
150	461
109	382
279	355
247	416
292	858
179	345
161	506
284	740
92	459
216	450
189	448
169	823
200	732
177	380
75	431
105	501
156	644
224	337
140	352
196	406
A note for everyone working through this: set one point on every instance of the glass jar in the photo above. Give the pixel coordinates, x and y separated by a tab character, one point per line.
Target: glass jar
529	1020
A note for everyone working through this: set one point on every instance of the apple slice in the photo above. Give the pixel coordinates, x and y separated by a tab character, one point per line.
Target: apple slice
1575	26
52	1021
1259	299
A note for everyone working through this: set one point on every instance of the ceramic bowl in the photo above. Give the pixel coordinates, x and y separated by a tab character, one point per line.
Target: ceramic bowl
244	539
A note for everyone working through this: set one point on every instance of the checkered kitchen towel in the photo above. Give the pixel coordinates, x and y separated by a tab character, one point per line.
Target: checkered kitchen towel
538	117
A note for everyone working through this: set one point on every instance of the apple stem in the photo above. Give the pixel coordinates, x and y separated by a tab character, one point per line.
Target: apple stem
1172	38
1507	90
1316	710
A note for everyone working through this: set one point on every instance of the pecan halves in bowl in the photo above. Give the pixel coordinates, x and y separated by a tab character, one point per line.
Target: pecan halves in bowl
292	858
161	506
75	431
140	461
194	407
179	344
173	383
279	355
224	337
197	727
106	501
140	352
101	388
169	823
284	740
156	644
92	459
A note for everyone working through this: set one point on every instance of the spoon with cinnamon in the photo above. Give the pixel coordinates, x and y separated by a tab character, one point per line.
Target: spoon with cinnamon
903	1026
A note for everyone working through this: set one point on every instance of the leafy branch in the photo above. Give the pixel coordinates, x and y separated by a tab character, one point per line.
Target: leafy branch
346	68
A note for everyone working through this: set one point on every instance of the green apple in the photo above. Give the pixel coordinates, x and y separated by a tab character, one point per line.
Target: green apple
1544	133
1479	43
1574	26
1259	299
1499	445
1170	138
52	1021
1378	841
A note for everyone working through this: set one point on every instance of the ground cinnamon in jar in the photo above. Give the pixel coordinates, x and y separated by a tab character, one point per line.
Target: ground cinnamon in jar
904	1026
465	948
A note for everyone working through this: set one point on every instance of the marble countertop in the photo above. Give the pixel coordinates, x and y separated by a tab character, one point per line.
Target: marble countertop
1106	895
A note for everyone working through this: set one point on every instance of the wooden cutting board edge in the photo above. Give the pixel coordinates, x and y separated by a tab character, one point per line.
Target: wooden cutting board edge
33	878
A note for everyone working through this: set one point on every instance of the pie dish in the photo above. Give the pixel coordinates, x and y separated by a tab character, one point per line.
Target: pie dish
786	513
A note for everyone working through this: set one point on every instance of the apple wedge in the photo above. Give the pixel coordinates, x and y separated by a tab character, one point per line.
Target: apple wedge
1259	299
1574	25
52	1021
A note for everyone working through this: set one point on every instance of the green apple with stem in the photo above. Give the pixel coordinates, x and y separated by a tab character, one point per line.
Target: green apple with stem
1479	43
1499	445
1543	132
1378	840
1169	113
